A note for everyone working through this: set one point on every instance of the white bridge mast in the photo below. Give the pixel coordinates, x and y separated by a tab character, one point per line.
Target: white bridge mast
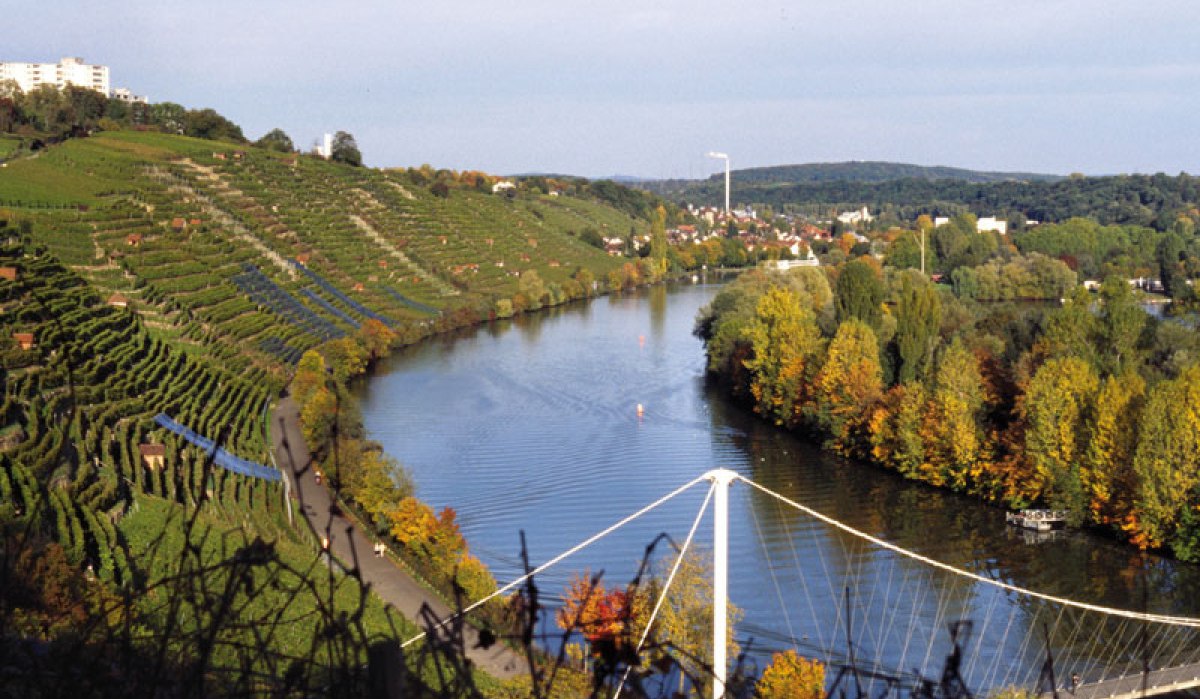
721	478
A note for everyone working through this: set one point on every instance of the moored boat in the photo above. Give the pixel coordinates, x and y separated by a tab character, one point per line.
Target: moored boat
1038	520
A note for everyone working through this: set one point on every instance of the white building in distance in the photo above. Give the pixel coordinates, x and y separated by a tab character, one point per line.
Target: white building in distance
68	71
863	215
986	223
990	223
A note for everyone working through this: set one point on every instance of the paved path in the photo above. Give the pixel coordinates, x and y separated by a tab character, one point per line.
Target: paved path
1165	681
354	547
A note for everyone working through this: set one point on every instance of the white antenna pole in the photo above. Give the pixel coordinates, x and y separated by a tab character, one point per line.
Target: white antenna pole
721	479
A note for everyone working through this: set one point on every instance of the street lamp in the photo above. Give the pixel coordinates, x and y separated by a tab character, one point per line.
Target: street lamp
723	156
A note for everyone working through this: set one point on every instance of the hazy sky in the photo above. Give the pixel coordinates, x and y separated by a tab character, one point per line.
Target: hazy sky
647	88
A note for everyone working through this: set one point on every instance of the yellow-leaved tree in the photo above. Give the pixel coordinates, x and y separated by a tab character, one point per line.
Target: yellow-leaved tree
956	448
1057	406
790	676
848	385
786	342
1106	471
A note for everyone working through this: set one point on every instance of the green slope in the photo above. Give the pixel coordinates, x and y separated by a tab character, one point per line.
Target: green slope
159	274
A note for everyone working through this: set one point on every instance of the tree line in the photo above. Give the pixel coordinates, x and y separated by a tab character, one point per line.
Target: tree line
1091	406
1141	200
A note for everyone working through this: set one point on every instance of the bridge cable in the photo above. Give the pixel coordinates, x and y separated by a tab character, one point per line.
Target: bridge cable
762	542
1142	616
573	550
662	597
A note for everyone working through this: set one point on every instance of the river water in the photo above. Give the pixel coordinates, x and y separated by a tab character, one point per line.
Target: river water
532	425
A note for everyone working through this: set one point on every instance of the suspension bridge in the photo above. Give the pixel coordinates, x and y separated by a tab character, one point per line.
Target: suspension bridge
925	627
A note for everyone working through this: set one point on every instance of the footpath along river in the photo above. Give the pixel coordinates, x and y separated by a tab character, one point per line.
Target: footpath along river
532	425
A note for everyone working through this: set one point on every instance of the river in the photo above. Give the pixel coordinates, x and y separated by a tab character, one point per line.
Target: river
532	425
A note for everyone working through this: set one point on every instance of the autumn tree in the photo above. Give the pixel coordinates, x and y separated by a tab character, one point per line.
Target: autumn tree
790	676
1057	407
346	358
786	343
1106	471
847	386
310	374
685	621
376	338
897	437
953	429
1167	465
658	240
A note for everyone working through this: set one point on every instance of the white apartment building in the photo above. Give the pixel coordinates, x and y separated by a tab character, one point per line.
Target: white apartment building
68	71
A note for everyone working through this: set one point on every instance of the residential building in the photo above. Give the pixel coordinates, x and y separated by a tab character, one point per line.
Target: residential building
126	95
863	215
68	71
991	223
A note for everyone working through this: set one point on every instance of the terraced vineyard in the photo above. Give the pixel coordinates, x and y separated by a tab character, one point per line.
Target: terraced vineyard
177	227
83	382
147	276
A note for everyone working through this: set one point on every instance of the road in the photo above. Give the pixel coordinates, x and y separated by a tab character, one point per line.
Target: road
354	547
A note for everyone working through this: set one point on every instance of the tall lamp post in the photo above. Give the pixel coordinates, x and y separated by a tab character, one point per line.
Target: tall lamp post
723	156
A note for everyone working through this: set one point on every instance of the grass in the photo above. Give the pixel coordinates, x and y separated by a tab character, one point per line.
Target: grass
8	145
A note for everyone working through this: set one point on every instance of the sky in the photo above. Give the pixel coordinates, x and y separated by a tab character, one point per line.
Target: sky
646	87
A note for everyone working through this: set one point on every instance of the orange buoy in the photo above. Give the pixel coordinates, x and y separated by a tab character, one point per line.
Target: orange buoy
640	410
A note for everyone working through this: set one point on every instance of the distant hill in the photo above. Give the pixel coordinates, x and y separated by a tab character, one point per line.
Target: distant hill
902	192
876	171
863	172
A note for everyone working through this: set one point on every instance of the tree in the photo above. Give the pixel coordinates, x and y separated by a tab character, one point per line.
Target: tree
207	123
1106	471
918	317
658	240
1167	461
168	116
786	343
276	140
310	375
533	288
954	436
1122	322
791	677
684	625
1057	407
859	294
848	385
897	438
87	106
1171	251
345	150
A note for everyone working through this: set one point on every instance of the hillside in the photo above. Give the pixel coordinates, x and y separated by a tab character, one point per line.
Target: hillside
155	294
905	191
875	171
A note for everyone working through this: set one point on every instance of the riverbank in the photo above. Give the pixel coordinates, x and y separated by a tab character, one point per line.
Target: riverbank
349	545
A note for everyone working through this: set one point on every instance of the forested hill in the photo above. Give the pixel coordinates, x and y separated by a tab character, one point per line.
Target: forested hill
874	171
1147	200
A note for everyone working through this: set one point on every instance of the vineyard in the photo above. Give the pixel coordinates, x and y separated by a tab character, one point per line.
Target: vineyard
156	293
